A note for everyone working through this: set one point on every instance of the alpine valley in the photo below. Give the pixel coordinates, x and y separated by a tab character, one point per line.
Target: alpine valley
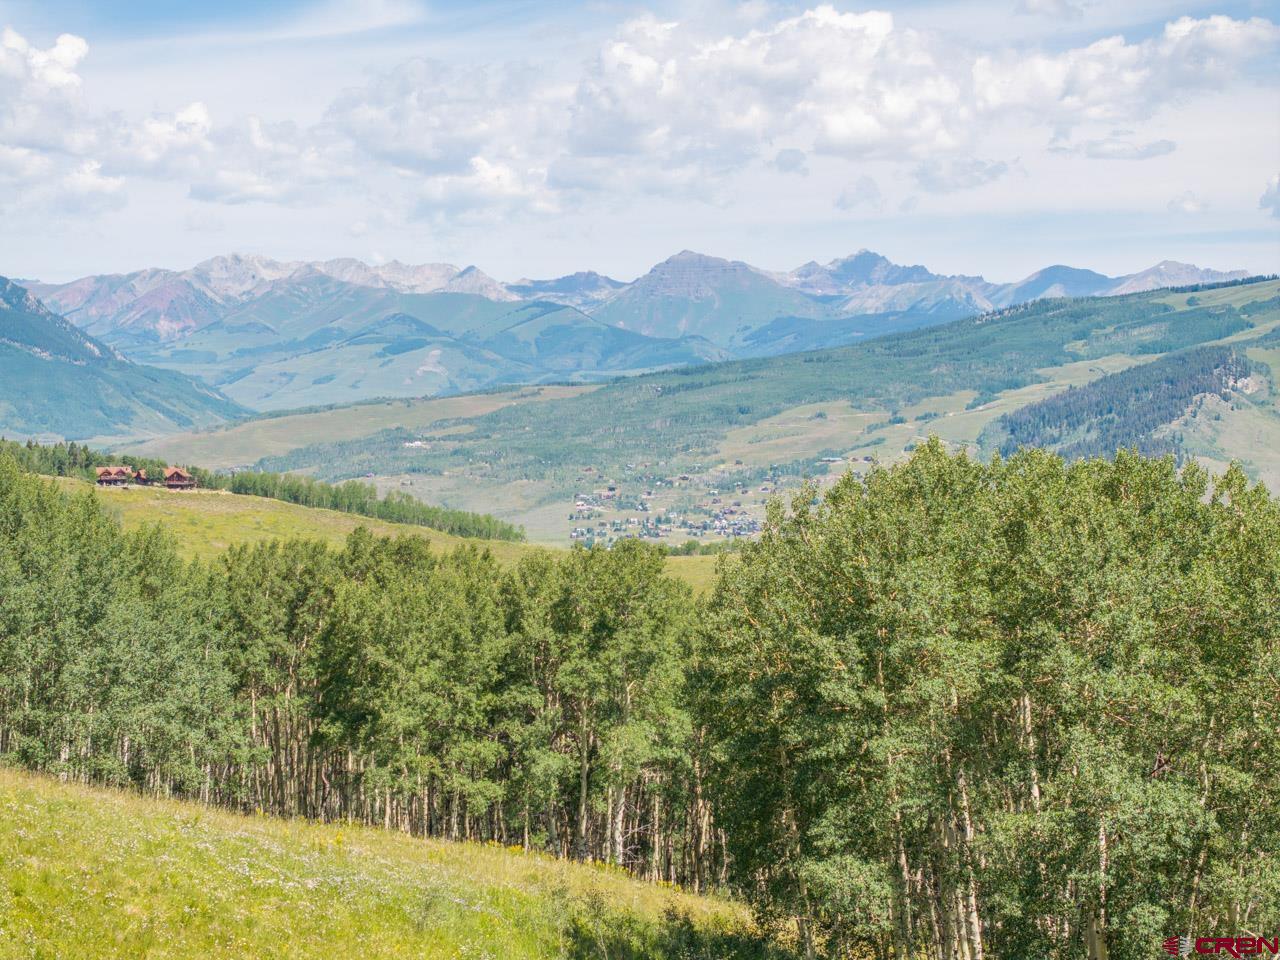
272	335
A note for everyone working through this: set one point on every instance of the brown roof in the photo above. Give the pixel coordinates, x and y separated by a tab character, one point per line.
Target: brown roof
176	473
113	471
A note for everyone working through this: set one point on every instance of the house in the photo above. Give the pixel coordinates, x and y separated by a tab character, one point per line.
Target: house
113	476
142	479
175	478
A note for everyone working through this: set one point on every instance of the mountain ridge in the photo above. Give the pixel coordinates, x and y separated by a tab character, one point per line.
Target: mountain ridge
174	303
57	379
276	333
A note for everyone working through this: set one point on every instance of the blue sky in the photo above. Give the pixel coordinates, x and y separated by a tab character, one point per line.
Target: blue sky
531	139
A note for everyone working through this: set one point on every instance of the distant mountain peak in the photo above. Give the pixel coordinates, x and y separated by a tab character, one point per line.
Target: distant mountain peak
845	275
1172	273
473	280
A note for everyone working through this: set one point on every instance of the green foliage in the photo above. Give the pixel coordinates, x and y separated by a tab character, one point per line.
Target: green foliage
951	709
1019	709
383	683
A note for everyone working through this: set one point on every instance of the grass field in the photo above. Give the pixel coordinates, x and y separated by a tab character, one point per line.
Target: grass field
246	443
89	874
210	521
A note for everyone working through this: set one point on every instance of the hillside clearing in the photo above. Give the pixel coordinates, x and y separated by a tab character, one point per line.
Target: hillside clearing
210	521
93	873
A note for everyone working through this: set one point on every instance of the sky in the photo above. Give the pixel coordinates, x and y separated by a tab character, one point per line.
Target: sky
993	137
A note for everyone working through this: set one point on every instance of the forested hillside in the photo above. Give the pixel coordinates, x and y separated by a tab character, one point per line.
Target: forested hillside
56	379
948	709
1126	409
679	416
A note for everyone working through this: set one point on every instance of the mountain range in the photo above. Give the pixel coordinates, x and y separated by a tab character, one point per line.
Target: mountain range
56	379
274	334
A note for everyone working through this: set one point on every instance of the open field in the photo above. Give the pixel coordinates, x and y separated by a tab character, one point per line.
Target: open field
245	443
210	521
91	874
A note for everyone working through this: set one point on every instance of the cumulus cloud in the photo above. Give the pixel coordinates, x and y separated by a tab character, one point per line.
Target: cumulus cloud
1186	202
485	188
666	107
427	117
168	142
846	84
1270	199
40	96
1112	79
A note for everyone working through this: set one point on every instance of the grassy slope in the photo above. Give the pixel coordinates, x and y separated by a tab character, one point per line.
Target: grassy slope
90	873
245	443
210	521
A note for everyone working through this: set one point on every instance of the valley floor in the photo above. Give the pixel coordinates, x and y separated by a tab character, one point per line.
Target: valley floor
91	873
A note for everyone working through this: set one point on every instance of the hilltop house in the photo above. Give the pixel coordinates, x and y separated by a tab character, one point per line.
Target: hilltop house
113	476
175	478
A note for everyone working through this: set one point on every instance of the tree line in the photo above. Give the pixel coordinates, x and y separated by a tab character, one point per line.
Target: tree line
950	709
352	496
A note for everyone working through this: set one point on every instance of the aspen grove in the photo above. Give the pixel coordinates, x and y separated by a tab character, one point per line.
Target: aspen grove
950	709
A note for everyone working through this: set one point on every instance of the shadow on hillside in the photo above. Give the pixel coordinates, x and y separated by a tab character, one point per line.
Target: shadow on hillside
594	934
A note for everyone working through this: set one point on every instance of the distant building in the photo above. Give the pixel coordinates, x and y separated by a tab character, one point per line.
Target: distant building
175	478
142	479
113	476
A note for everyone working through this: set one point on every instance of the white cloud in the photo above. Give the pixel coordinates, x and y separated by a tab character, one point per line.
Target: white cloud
1270	199
1111	79
486	189
1117	146
865	192
428	117
845	84
21	165
40	96
1186	202
671	108
53	69
967	173
170	144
